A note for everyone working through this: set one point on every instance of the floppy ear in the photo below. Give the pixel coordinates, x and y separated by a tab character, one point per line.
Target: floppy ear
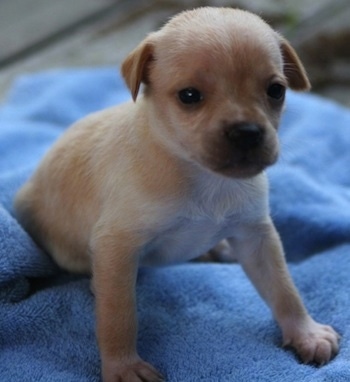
135	67
293	68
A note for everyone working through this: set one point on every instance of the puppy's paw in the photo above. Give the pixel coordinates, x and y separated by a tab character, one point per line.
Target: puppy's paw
133	371
313	342
221	253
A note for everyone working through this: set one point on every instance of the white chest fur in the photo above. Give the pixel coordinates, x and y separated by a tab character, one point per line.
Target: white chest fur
215	207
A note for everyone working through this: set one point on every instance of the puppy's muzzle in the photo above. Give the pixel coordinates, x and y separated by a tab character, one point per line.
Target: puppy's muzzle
245	135
241	149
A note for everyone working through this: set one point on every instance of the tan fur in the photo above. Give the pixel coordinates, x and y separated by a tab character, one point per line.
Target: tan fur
159	181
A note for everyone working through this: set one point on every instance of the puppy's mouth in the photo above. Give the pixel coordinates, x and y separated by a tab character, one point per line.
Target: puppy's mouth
245	166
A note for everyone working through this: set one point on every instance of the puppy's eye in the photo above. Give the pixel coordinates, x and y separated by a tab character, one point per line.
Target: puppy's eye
190	96
276	92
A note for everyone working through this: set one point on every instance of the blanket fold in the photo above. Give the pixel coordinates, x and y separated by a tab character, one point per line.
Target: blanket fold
198	322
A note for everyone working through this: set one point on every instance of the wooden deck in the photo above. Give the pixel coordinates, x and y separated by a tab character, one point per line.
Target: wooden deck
37	35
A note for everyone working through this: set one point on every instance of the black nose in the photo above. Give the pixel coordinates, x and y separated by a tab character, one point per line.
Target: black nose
245	135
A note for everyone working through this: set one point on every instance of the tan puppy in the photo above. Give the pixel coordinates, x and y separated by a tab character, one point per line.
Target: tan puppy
166	178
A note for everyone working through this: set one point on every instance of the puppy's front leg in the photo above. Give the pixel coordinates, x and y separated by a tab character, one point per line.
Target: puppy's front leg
260	252
115	265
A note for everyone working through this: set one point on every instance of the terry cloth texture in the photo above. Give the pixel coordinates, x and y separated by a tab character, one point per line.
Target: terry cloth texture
197	322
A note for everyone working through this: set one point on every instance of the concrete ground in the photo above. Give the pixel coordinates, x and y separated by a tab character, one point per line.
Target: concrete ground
38	35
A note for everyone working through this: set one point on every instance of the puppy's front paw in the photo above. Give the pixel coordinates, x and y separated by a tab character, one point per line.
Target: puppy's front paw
134	371
313	342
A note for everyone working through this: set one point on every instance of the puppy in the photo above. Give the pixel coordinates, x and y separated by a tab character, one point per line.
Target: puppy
167	177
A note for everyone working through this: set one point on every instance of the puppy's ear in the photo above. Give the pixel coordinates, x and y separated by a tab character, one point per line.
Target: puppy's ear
135	67
293	68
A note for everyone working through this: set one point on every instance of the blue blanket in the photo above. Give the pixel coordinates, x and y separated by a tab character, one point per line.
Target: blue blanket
198	322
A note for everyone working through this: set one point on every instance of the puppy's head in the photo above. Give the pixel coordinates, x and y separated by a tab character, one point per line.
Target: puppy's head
215	82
